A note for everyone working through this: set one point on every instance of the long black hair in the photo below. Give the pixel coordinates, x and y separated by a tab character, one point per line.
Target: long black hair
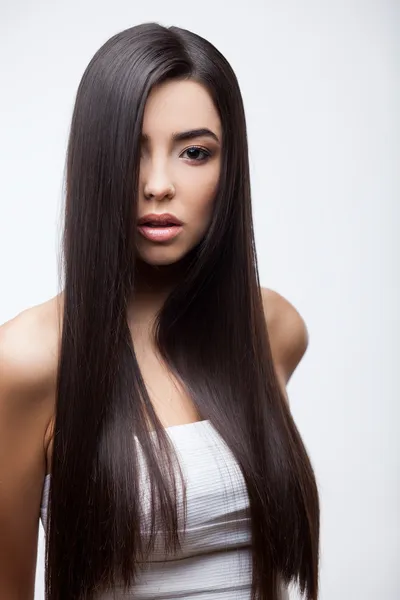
211	331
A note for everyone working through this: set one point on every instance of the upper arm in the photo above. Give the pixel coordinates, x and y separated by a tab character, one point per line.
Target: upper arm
24	412
287	333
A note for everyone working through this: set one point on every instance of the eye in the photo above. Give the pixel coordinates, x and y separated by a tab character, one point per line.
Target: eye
193	154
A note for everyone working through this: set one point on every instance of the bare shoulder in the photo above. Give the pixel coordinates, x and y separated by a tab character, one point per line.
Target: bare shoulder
28	365
29	349
287	333
29	345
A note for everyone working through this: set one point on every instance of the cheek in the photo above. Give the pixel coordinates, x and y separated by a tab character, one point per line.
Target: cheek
200	206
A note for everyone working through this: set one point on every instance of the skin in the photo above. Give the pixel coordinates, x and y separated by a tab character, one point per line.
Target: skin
170	181
178	177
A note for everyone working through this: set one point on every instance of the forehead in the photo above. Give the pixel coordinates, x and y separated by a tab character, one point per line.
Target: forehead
175	106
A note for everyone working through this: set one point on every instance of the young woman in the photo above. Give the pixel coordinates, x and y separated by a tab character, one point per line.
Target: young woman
145	405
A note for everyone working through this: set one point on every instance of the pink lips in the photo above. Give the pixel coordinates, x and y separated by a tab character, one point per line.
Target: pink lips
159	228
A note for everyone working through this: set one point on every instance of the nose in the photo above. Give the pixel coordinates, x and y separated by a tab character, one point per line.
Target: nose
157	184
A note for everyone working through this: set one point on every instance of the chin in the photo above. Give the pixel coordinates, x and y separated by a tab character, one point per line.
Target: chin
161	257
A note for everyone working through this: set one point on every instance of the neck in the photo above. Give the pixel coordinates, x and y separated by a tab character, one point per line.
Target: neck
153	284
157	280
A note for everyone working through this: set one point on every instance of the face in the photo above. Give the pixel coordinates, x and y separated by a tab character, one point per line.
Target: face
179	171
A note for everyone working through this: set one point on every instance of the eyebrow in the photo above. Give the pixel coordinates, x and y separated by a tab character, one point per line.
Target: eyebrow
191	134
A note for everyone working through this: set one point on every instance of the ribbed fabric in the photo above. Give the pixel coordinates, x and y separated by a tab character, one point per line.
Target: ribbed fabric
215	560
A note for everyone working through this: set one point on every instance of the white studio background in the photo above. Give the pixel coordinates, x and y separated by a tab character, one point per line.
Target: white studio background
320	82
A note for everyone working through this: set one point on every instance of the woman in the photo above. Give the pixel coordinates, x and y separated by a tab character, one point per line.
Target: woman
151	391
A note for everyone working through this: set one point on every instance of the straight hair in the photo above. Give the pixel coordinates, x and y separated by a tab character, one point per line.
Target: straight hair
211	331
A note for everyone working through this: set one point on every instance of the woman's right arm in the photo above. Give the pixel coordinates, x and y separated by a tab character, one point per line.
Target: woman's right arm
25	411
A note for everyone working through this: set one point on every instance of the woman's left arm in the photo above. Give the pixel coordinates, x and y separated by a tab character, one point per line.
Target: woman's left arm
287	332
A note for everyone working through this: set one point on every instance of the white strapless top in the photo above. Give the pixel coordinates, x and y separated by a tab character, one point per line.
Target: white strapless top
215	560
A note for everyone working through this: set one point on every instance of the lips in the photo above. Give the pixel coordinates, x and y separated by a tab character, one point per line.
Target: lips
164	220
159	228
